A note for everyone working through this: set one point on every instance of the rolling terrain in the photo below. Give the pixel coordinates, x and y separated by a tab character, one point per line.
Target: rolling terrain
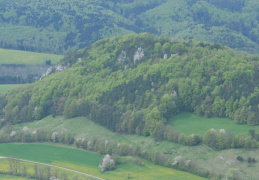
88	162
180	103
63	26
130	88
204	157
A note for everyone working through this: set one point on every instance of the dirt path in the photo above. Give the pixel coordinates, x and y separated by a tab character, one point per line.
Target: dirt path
53	166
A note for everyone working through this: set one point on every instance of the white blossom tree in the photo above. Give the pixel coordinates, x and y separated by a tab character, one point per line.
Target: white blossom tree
107	163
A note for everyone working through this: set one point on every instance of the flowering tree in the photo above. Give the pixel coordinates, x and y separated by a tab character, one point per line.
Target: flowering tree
107	163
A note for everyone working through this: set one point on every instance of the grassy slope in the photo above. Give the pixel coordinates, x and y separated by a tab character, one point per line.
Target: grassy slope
199	125
7	87
25	57
81	127
88	162
203	156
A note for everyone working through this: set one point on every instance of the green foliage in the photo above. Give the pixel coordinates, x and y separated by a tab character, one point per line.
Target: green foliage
120	83
64	26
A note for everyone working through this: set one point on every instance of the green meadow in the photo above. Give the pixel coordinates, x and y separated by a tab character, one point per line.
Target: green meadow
190	123
24	57
8	87
88	162
9	177
79	126
4	166
204	157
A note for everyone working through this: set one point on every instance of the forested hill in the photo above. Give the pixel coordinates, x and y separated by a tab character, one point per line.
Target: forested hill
62	26
134	83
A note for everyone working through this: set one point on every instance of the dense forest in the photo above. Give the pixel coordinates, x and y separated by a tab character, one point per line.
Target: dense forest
134	83
63	26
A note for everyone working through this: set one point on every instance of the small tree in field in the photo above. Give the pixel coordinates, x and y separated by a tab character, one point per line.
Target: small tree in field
107	163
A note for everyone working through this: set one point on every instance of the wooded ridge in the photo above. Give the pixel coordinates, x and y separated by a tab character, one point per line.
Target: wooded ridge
134	83
63	26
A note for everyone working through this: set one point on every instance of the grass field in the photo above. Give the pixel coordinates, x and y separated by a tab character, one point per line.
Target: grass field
202	155
88	162
8	177
190	123
4	166
79	126
7	87
24	57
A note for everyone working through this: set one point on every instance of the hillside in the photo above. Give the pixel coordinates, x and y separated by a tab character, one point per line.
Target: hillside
20	67
204	158
135	83
63	26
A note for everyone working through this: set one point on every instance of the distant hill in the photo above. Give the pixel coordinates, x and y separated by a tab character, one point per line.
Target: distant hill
19	67
134	83
63	26
29	58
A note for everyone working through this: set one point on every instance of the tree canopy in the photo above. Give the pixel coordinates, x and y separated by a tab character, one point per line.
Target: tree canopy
63	26
106	83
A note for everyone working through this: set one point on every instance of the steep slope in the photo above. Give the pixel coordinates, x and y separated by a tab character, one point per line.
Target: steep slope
63	26
134	83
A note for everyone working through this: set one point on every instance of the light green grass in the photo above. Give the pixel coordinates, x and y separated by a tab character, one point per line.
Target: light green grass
8	177
190	123
88	162
4	166
8	87
49	154
24	57
79	126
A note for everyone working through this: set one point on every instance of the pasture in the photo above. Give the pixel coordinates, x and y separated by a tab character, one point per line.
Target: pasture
30	168
79	126
8	87
190	123
202	155
24	57
9	177
88	162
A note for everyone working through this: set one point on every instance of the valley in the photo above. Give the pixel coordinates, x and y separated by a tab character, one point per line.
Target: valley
124	97
132	89
204	157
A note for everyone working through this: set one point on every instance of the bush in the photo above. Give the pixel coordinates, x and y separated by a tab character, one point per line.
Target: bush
138	161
